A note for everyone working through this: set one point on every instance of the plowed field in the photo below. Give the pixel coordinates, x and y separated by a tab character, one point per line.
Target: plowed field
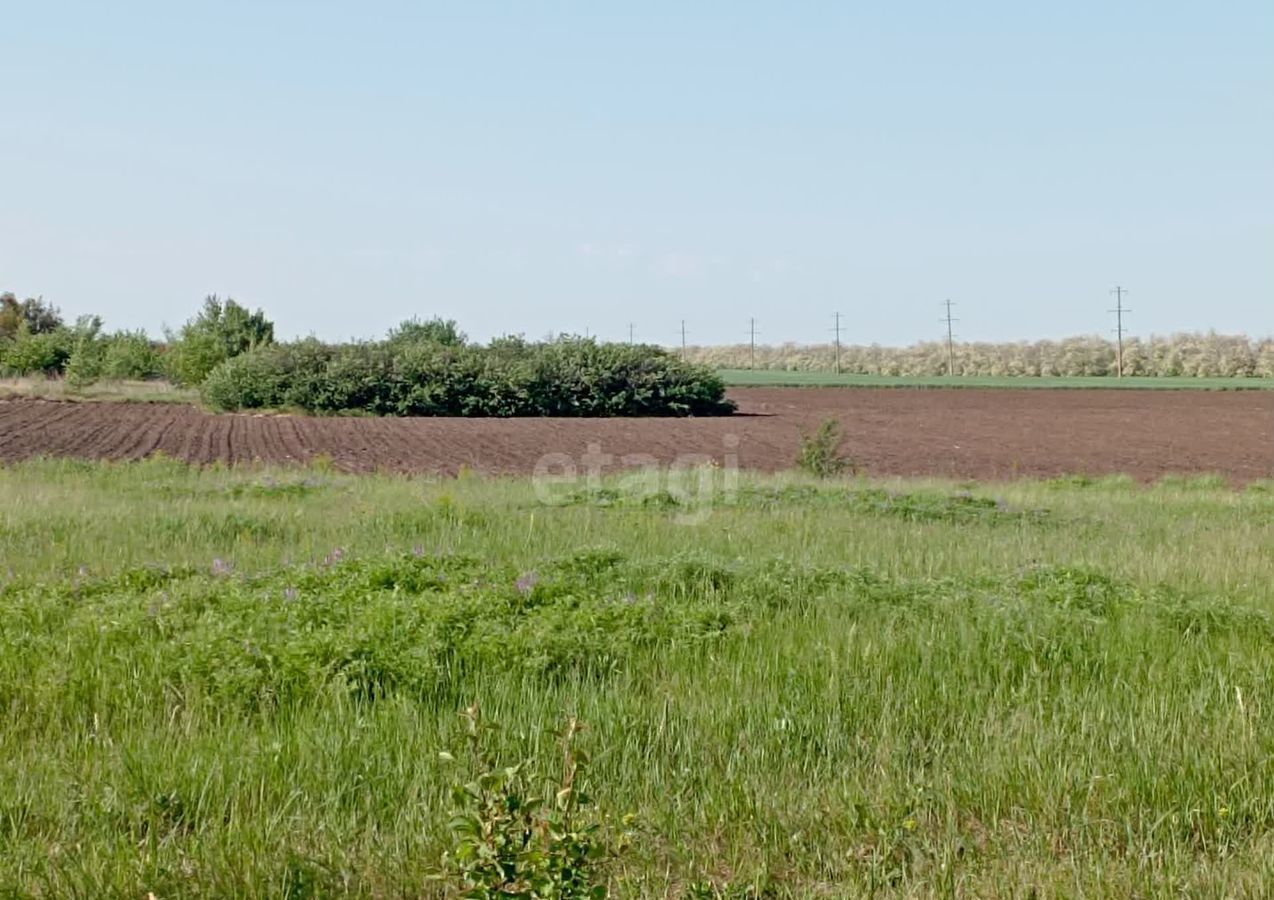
961	433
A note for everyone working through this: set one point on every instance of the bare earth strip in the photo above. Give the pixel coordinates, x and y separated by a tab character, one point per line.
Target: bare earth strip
989	434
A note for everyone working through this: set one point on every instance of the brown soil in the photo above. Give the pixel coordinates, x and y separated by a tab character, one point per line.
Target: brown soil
990	434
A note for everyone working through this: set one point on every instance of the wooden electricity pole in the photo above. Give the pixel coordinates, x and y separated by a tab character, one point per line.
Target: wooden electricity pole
751	343
683	339
836	329
1119	311
630	334
950	340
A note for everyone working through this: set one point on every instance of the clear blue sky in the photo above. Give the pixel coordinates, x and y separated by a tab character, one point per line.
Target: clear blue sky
537	167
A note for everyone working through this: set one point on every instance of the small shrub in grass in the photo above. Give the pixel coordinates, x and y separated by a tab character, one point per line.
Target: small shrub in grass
820	452
520	836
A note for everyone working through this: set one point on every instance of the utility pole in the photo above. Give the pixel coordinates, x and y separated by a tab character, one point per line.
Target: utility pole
950	340
837	330
683	339
752	343
630	334
1119	311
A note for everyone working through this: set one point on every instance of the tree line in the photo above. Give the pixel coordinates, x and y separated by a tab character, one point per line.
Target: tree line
1194	355
421	368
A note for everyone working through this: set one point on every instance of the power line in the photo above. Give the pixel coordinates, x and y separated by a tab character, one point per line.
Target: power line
1119	311
950	339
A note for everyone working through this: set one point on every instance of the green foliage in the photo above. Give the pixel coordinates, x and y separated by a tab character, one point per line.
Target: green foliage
88	350
444	332
220	331
124	356
131	356
32	315
43	353
820	454
192	356
567	377
233	682
34	341
519	836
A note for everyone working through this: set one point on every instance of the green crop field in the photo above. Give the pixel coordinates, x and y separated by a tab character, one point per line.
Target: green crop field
238	682
780	378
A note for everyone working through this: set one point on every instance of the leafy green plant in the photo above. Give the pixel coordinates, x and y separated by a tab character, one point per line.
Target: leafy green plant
42	353
521	837
220	331
84	365
131	356
820	453
567	377
435	331
32	315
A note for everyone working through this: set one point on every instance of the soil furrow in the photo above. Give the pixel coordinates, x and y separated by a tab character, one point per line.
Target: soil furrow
963	434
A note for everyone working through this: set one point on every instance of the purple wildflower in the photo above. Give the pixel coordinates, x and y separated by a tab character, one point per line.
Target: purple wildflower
221	567
527	583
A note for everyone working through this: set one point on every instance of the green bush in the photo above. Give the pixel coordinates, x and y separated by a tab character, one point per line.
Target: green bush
520	836
820	452
568	377
32	315
433	331
131	356
191	357
45	353
88	349
220	332
124	356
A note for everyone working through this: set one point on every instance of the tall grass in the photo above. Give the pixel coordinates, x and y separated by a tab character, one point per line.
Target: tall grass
235	682
56	388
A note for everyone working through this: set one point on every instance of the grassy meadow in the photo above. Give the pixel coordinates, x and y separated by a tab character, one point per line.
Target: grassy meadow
237	682
44	388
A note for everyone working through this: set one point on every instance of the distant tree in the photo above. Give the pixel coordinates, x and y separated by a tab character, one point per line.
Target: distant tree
32	315
434	331
84	364
219	332
243	330
10	315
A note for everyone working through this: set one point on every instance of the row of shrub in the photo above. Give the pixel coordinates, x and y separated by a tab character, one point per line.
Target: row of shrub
34	340
1208	355
413	374
422	368
82	353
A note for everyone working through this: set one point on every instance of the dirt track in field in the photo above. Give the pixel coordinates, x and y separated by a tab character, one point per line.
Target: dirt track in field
962	433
